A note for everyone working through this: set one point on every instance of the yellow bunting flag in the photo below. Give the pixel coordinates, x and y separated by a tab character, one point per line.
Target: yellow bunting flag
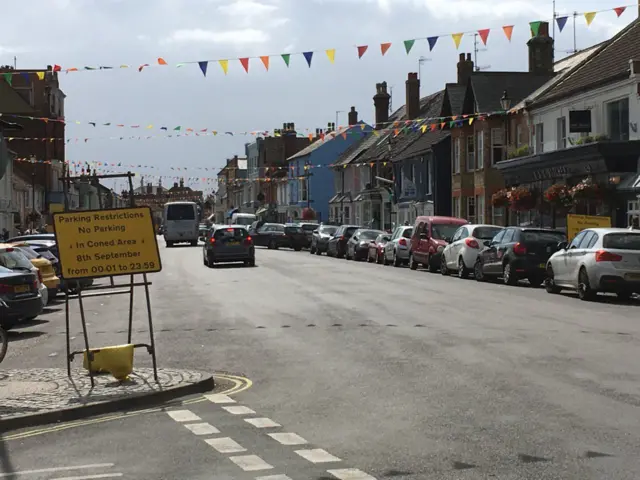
589	16
225	65
470	120
265	61
457	37
40	75
331	54
149	127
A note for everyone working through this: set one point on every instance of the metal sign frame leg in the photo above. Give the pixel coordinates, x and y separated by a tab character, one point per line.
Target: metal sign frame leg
151	335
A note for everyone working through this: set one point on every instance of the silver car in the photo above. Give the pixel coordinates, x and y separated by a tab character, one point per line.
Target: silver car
320	237
396	251
597	260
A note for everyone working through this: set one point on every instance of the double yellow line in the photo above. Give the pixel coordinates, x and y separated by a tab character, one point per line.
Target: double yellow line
240	384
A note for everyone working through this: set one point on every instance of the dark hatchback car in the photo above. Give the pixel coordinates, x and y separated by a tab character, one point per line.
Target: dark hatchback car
518	253
19	297
320	238
296	237
228	244
358	244
337	245
277	235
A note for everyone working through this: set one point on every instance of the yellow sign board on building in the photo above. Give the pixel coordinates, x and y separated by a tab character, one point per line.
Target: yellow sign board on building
103	243
577	223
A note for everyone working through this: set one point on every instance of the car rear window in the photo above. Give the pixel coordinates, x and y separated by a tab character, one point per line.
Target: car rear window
349	231
44	253
543	236
369	234
328	230
181	212
292	230
13	258
622	241
28	252
485	233
237	233
407	233
309	227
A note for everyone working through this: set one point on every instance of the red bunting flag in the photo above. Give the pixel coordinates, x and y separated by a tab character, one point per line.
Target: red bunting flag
508	30
161	61
484	35
384	47
619	10
362	50
245	64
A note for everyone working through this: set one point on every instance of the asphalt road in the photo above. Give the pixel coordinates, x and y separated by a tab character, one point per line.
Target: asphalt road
382	370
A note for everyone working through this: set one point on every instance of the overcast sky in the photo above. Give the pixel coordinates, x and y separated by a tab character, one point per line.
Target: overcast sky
75	33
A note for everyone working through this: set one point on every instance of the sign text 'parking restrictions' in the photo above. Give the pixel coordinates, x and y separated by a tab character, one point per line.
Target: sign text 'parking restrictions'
103	243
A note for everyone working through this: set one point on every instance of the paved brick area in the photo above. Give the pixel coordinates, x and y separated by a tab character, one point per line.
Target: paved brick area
37	390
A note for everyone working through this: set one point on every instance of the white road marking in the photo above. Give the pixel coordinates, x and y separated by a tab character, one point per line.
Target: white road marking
219	398
262	422
288	438
239	410
202	428
250	463
350	474
225	445
317	455
274	477
57	469
183	415
89	477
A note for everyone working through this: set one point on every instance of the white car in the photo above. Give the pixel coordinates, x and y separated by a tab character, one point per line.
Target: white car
597	260
461	253
396	251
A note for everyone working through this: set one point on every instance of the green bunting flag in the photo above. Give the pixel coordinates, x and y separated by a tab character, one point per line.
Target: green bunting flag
286	57
408	45
9	78
535	28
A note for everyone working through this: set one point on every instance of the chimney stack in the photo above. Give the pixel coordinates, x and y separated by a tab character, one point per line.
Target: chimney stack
541	51
381	104
353	116
412	105
465	69
149	189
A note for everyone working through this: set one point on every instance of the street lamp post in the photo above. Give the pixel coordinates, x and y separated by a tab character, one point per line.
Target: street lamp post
33	199
505	103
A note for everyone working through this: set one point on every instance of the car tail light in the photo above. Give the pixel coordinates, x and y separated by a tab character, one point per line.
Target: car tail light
604	256
35	284
342	238
519	249
248	241
212	240
9	249
471	242
229	229
402	242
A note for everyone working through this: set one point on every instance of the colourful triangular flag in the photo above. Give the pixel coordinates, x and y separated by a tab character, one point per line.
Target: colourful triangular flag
40	75
408	45
265	61
457	37
362	50
225	65
308	56
589	16
286	57
9	78
384	47
245	64
203	67
561	21
619	10
331	54
161	61
432	42
484	35
535	27
508	30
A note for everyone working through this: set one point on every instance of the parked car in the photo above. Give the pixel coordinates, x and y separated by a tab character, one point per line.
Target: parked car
376	248
14	259
268	235
358	244
461	254
296	237
44	266
516	253
320	238
228	243
308	228
430	236
19	297
337	245
396	251
597	260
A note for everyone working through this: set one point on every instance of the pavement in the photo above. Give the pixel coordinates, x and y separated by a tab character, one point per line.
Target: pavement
358	371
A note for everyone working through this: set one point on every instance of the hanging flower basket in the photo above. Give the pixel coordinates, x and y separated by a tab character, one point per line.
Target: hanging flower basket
521	199
586	190
559	196
308	214
500	199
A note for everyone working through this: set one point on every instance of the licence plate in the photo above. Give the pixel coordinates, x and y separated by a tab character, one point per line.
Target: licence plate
632	276
21	289
233	243
542	266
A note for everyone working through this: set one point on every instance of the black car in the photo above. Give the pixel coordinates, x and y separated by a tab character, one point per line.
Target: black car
337	244
227	244
320	238
19	297
518	253
308	229
358	244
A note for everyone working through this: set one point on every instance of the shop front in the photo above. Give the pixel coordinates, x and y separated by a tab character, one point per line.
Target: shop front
542	189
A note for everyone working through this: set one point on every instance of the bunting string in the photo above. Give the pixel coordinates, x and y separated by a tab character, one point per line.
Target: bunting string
330	53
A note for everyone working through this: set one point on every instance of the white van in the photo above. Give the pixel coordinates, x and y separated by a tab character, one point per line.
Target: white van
244	219
181	223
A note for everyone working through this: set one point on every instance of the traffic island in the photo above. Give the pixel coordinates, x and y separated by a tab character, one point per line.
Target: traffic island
32	397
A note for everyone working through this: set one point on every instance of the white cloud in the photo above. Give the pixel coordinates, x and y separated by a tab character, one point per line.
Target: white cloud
247	8
234	37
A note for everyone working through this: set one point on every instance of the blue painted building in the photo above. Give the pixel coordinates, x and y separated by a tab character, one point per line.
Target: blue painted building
311	180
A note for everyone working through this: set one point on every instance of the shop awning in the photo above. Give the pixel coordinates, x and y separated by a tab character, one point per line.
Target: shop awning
631	183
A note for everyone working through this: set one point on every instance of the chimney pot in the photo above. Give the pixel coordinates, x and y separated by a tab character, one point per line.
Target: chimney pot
465	69
541	51
381	103
353	116
468	57
461	57
412	105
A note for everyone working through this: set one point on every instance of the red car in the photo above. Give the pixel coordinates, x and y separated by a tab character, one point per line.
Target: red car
376	248
430	236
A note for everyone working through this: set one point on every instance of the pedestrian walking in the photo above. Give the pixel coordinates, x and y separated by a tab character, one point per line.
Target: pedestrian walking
5	234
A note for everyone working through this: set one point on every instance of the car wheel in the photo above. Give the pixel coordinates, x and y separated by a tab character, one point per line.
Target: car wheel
369	259
312	250
252	262
624	295
550	285
535	280
271	245
318	252
478	272
379	258
443	267
194	243
509	277
396	260
205	260
463	271
210	262
169	244
413	265
584	288
430	266
297	249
